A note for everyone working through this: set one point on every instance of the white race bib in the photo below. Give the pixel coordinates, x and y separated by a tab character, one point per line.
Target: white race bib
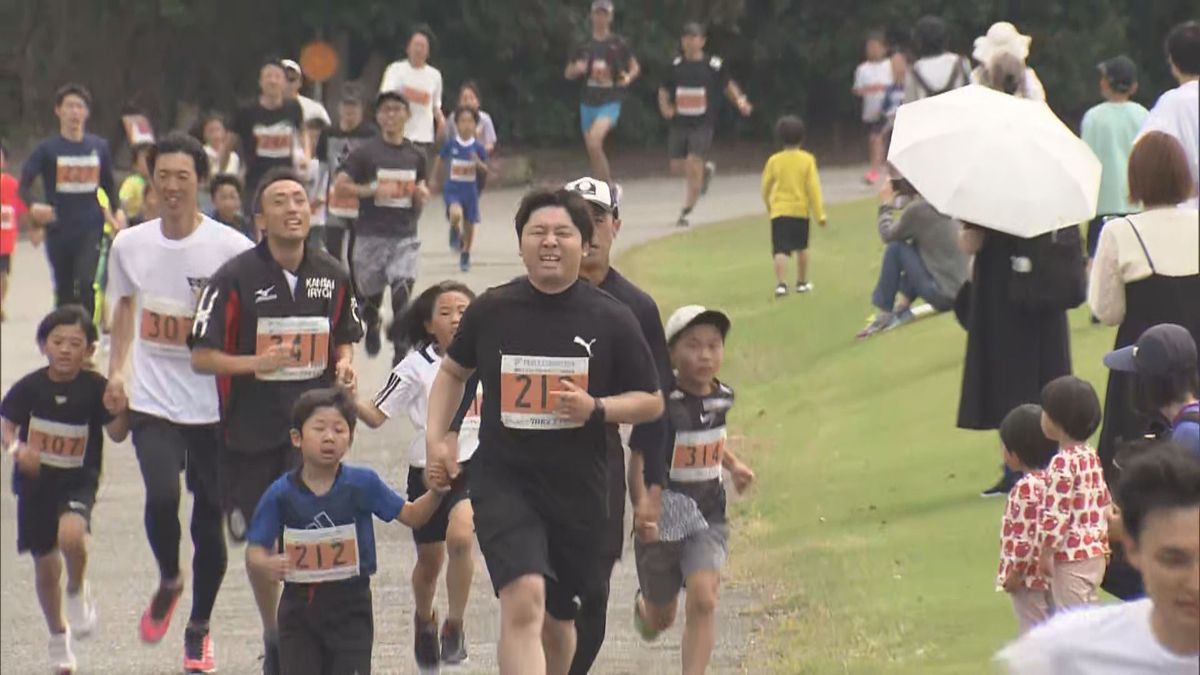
697	455
58	444
77	175
691	101
529	386
324	554
395	187
164	325
307	338
273	140
462	170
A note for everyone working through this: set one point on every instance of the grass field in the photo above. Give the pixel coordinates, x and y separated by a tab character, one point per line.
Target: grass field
866	535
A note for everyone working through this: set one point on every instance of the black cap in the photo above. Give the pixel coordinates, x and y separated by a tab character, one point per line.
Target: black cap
390	94
693	28
1161	350
1120	71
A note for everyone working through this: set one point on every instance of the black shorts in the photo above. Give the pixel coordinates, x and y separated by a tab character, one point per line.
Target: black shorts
789	234
434	531
43	500
5	263
327	628
685	141
875	127
517	539
243	479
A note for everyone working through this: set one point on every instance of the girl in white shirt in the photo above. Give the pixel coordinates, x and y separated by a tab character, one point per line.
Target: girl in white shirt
429	325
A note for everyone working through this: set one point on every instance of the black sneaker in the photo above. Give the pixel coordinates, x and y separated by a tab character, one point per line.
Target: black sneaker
454	644
1000	489
374	340
683	221
270	656
425	645
709	169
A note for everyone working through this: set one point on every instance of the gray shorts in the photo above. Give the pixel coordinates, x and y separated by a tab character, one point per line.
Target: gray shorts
384	262
685	141
663	567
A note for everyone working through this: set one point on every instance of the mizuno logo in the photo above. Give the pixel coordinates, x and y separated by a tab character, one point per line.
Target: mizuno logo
265	294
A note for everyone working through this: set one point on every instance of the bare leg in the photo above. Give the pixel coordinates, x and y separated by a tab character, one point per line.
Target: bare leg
460	542
425	577
700	629
72	541
522	611
456	218
48	573
695	176
875	150
3	291
468	236
558	638
781	267
657	617
594	141
801	266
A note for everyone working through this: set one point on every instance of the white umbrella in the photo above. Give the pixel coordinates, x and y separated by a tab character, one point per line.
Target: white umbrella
1005	163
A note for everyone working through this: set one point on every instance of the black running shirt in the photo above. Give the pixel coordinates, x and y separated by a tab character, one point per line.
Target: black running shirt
697	427
695	88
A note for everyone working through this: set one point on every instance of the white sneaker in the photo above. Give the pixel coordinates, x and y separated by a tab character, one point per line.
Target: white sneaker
62	660
81	612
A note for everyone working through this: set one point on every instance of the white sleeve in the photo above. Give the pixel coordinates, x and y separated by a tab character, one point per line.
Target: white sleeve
391	77
858	77
1029	655
398	392
1106	287
119	283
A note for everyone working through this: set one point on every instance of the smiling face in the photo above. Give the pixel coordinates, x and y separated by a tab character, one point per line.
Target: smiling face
324	439
1167	553
284	212
66	348
551	248
391	115
447	313
467	98
176	184
214	134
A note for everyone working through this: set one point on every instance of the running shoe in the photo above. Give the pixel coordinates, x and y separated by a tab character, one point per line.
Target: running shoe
157	617
804	287
81	612
198	651
464	261
639	621
454	644
781	290
879	323
710	168
62	659
1000	489
270	656
374	339
871	177
425	644
682	222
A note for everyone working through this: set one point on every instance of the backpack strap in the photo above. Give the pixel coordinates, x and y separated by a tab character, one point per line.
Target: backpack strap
1145	251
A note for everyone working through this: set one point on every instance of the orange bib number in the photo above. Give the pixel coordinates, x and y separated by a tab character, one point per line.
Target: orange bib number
273	141
165	325
307	339
59	445
691	101
77	175
395	187
697	455
462	170
343	207
529	386
325	554
416	96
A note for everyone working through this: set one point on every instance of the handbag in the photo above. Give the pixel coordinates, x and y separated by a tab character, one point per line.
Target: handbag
1049	272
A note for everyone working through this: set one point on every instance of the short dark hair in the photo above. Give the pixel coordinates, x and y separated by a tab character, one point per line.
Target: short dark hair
352	92
929	36
67	315
422	29
330	397
1021	433
272	176
222	179
412	324
1183	47
392	95
876	36
1159	174
790	130
179	142
1162	476
540	198
273	61
1072	404
473	86
1151	393
72	89
469	111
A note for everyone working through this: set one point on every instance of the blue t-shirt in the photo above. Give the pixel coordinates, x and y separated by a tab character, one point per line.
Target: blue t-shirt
70	172
1187	432
356	494
457	155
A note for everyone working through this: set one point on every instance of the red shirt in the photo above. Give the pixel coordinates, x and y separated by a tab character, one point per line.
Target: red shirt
1074	517
12	208
1019	549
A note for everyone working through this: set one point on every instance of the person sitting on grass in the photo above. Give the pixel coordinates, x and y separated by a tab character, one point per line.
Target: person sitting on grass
1026	450
921	259
791	189
1159	496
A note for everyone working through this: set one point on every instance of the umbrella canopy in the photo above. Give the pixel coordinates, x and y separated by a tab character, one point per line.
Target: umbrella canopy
1005	163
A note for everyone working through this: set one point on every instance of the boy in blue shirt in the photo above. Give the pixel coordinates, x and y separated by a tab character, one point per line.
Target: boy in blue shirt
466	157
313	531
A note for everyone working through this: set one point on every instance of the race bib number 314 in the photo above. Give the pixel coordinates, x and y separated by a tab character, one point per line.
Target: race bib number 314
325	554
697	455
529	387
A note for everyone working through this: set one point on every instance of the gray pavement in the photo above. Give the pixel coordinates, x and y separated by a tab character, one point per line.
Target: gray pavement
122	570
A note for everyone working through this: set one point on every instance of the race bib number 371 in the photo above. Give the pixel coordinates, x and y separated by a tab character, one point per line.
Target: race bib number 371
325	554
529	387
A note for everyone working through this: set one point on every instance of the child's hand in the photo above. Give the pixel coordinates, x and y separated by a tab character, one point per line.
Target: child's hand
28	460
276	567
1046	563
742	476
1013	583
821	222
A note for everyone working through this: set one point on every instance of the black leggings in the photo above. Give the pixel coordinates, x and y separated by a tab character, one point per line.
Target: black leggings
372	315
163	450
591	622
73	254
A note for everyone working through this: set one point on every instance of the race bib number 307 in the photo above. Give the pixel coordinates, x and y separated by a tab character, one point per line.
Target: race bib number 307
165	325
325	554
529	387
59	445
307	341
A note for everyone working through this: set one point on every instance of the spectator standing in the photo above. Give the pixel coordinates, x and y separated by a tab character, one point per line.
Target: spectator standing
1003	39
1177	112
936	70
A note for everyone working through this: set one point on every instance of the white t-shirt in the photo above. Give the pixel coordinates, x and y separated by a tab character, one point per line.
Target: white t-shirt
944	71
233	167
407	390
1177	112
422	87
165	277
871	73
1109	640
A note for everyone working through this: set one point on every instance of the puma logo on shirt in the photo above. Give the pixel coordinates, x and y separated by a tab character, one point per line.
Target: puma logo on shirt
585	344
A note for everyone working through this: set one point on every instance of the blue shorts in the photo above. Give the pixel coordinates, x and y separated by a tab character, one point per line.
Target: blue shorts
588	114
467	198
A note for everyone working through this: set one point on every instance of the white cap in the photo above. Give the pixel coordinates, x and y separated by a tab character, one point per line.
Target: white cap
595	191
289	64
1002	37
689	315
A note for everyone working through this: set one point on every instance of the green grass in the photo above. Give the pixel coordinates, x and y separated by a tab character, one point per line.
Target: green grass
865	534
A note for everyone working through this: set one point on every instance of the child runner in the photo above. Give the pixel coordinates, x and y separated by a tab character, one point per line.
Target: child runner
430	324
1025	449
791	190
222	158
1073	537
1109	129
312	530
12	213
693	533
468	158
54	416
133	188
226	193
872	80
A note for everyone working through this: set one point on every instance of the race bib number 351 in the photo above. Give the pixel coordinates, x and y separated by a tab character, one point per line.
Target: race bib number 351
306	338
529	387
697	455
325	554
59	445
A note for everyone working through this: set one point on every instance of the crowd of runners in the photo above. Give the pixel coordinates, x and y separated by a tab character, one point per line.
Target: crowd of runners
231	276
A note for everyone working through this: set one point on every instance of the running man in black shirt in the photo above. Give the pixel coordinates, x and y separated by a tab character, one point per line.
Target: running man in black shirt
274	322
559	360
608	67
269	128
689	100
646	440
